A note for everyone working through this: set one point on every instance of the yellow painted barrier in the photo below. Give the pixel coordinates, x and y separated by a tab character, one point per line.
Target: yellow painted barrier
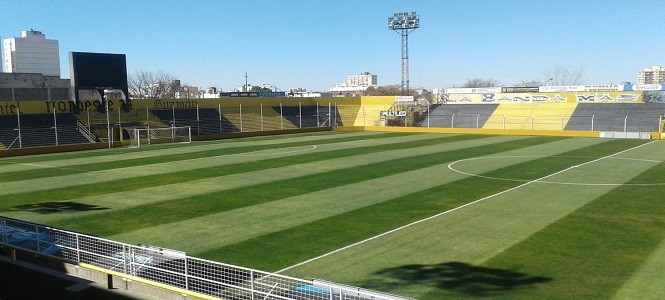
568	133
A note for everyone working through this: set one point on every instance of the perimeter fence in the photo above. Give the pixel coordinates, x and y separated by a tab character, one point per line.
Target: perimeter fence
173	268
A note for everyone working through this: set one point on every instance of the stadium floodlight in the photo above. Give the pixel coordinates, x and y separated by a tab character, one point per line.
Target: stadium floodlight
404	23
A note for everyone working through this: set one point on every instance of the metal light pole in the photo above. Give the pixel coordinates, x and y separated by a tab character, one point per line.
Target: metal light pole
404	23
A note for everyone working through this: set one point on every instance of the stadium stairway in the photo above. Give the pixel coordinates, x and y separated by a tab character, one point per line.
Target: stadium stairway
531	116
348	115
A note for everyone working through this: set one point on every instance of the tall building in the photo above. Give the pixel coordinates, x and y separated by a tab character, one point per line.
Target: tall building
31	53
653	75
355	85
364	79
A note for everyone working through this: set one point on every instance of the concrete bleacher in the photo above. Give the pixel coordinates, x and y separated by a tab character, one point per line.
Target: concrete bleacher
40	130
208	121
638	117
459	115
297	116
531	116
256	118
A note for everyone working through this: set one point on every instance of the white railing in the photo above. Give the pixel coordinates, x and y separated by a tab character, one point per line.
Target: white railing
172	267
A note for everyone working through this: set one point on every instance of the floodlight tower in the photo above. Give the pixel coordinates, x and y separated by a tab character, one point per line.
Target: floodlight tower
404	23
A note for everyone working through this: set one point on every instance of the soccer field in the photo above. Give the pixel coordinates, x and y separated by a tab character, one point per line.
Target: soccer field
425	216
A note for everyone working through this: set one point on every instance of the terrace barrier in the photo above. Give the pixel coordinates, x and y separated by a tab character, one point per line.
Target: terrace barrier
171	269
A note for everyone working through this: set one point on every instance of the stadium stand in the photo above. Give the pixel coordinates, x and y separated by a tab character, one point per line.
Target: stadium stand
207	122
465	115
40	130
293	115
541	116
641	117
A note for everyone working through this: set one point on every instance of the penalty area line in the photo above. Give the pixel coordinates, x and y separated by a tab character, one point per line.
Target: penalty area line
451	210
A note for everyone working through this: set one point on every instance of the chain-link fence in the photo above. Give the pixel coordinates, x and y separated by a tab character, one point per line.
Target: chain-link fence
172	267
618	123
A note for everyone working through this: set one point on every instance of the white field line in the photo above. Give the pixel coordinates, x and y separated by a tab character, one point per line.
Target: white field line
453	210
450	167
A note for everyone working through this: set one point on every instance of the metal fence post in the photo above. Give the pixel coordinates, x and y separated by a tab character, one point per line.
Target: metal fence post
18	122
300	113
219	109
281	117
87	111
363	106
240	117
251	282
452	121
186	274
55	127
125	258
78	248
625	124
198	121
37	238
477	121
592	116
531	122
561	123
261	116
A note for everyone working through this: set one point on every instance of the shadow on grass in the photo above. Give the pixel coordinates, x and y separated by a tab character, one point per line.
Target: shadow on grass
56	207
459	277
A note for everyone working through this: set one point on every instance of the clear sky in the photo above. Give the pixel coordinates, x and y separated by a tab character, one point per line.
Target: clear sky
315	44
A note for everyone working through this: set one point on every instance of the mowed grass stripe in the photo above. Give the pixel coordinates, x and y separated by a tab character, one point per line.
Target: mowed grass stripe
280	211
592	252
647	282
116	154
392	212
198	181
270	185
190	164
468	236
60	168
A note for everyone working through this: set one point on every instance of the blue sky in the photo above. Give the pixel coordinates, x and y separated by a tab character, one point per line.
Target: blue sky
316	44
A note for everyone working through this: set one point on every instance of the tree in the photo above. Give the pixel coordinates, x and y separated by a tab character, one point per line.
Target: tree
530	83
479	82
256	88
563	75
149	85
388	90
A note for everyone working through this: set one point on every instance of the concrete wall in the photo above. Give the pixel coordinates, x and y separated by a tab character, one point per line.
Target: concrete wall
30	86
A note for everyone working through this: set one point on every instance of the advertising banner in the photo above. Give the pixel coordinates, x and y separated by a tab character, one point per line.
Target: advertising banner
567	97
603	88
561	88
404	99
492	90
520	89
387	113
644	87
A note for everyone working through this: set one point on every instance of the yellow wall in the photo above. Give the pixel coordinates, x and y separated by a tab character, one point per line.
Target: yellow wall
66	106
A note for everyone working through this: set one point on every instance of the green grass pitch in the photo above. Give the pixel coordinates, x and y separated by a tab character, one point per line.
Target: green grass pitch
427	216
